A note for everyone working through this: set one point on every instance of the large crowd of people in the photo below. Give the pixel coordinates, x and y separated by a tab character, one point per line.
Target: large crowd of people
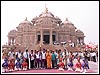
47	59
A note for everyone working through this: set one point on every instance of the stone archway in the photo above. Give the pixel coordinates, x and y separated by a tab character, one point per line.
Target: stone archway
46	37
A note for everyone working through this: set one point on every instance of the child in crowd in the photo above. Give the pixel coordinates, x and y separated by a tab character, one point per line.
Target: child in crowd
78	66
85	65
18	64
21	59
70	63
11	65
5	65
24	65
61	65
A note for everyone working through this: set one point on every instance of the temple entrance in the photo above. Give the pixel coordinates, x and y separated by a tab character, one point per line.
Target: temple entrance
53	38
38	39
46	39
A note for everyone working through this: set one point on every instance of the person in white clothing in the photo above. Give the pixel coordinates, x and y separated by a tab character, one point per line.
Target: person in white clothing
11	54
43	59
26	56
37	60
19	54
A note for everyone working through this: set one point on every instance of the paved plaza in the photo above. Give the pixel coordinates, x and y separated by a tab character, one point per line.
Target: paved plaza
94	66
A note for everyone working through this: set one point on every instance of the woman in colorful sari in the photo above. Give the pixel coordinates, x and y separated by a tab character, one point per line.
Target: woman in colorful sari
48	58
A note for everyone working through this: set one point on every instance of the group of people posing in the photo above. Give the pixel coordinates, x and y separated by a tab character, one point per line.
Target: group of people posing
44	59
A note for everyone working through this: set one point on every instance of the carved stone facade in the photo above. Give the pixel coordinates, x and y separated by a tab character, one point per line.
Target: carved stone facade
45	29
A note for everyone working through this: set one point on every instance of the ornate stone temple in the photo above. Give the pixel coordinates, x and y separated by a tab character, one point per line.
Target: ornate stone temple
44	29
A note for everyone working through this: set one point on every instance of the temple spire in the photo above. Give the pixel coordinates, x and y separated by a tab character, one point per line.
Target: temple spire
66	19
26	19
46	9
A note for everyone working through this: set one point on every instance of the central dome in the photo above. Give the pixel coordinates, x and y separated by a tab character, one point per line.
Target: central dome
46	14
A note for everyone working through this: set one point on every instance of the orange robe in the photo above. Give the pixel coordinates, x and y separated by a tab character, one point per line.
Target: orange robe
48	58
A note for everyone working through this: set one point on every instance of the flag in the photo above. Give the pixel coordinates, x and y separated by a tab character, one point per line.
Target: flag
90	45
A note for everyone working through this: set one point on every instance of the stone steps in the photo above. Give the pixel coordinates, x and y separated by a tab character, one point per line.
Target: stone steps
50	47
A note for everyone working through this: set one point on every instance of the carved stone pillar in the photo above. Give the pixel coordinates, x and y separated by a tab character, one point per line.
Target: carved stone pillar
51	37
57	36
9	41
41	37
12	41
35	38
68	38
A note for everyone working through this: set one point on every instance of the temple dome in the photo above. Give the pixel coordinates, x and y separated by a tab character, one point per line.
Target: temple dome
25	21
46	13
79	31
67	21
35	18
12	32
57	18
